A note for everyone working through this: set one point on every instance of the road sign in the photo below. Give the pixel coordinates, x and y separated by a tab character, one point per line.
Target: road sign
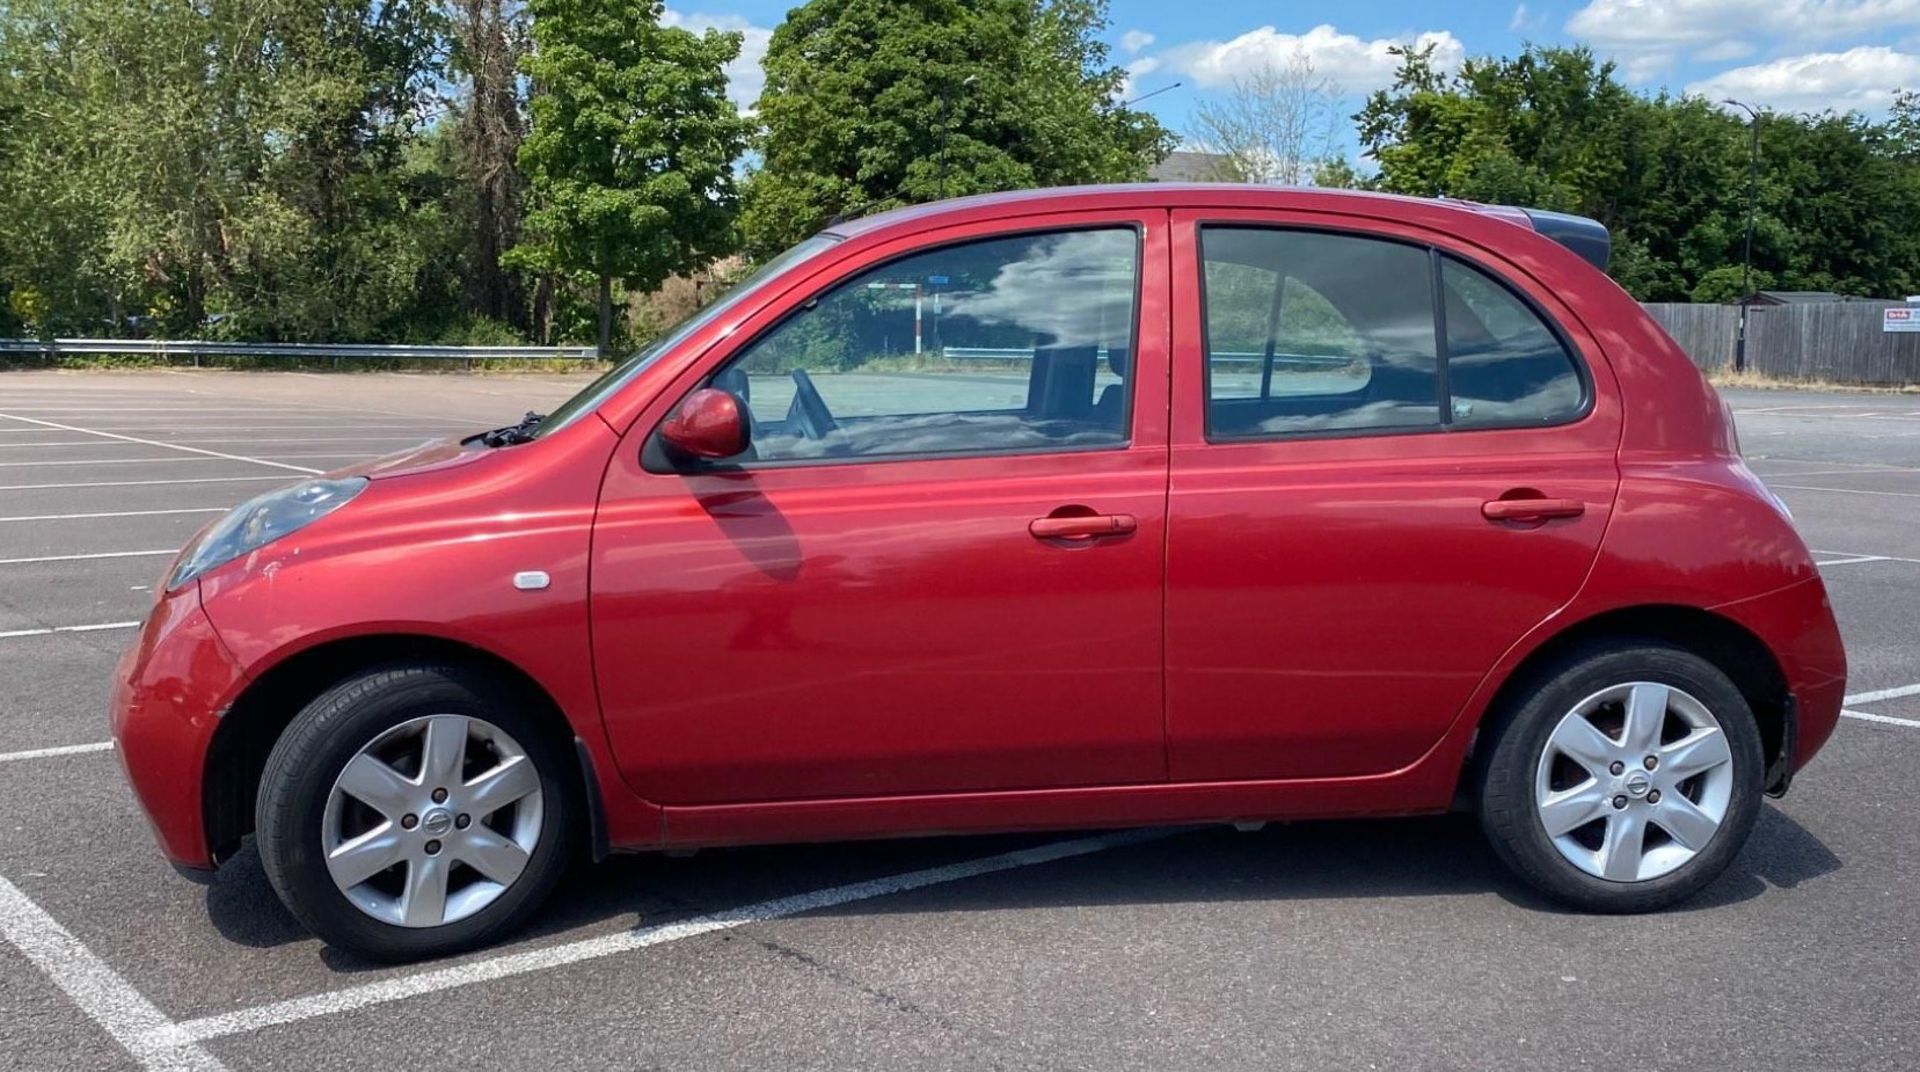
1895	318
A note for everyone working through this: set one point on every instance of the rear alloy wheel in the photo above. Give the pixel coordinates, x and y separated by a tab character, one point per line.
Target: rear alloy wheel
1626	781
414	811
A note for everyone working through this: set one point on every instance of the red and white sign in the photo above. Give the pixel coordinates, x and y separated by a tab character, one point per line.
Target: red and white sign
1898	319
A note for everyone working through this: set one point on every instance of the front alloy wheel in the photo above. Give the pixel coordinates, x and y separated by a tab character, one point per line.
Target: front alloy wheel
416	810
432	821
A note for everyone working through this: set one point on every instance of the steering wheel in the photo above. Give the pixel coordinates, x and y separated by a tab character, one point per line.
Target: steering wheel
809	413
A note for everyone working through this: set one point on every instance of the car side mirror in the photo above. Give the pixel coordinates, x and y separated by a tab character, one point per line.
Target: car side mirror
708	424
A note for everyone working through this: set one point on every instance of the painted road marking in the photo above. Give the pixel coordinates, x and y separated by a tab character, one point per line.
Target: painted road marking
52	629
109	461
119	513
157	443
100	992
62	750
1848	491
142	483
1866	716
1882	694
501	967
83	558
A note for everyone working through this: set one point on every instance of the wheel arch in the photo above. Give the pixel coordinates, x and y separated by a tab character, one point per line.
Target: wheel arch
1720	640
237	752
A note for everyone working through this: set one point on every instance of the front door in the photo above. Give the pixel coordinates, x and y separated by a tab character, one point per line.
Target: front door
939	569
1390	463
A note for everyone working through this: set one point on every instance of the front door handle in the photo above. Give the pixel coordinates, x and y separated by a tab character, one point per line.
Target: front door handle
1531	509
1082	527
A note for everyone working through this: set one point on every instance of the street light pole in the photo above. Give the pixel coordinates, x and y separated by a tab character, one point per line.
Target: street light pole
1746	260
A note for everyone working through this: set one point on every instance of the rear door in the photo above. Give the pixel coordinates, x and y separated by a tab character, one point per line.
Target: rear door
941	570
1392	457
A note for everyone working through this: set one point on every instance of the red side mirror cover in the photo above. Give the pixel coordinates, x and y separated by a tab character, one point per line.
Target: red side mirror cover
708	424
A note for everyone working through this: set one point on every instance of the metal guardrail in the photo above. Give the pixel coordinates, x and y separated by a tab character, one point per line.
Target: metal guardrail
989	353
198	348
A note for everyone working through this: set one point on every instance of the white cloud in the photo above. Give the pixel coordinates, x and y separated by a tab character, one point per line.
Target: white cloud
1143	65
1353	65
1722	51
1134	40
1859	79
1522	21
1648	36
745	77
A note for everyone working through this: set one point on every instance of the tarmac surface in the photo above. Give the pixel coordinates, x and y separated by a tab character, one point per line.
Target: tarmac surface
1386	944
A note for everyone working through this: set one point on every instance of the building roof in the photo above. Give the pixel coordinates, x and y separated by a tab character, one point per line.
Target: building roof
1185	166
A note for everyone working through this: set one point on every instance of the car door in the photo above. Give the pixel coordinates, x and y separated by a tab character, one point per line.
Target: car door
940	566
1392	457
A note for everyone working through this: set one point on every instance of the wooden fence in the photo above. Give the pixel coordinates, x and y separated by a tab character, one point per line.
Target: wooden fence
1834	342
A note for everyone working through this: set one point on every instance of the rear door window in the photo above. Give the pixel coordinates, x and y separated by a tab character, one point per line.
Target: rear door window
1505	366
1313	332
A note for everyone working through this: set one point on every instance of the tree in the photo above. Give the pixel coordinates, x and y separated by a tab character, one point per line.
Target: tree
487	127
871	104
1275	124
631	152
176	160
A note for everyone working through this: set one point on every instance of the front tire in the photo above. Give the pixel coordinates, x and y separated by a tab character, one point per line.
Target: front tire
1623	778
415	811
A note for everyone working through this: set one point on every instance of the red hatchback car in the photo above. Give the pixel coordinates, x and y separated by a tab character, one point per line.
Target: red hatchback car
1089	507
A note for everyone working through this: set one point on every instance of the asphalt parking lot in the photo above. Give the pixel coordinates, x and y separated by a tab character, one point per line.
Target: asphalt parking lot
1390	944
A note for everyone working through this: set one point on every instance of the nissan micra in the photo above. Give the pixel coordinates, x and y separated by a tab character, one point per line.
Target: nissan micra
1110	506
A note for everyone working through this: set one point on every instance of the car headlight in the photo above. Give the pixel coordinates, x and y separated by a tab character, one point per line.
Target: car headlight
260	521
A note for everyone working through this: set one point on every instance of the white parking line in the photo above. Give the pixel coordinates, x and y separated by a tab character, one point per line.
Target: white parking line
501	967
52	629
143	483
416	438
1866	716
62	750
107	999
111	461
1847	491
1852	561
191	430
119	513
87	557
157	443
1882	694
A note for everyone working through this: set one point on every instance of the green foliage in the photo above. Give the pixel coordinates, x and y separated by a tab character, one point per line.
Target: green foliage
871	104
1728	283
1551	128
630	156
633	142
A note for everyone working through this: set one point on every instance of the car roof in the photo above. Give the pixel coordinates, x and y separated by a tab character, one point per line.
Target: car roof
1120	195
1586	238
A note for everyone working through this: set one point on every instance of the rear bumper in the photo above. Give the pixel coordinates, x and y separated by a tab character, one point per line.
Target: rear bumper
169	691
1796	623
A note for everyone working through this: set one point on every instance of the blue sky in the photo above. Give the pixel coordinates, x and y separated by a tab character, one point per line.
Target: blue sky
1797	55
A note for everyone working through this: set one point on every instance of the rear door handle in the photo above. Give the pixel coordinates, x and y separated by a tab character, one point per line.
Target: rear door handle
1531	509
1083	527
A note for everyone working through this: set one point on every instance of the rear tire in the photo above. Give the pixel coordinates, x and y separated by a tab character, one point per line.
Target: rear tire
415	811
1624	777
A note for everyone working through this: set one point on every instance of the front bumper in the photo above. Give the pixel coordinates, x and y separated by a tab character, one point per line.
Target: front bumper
169	691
